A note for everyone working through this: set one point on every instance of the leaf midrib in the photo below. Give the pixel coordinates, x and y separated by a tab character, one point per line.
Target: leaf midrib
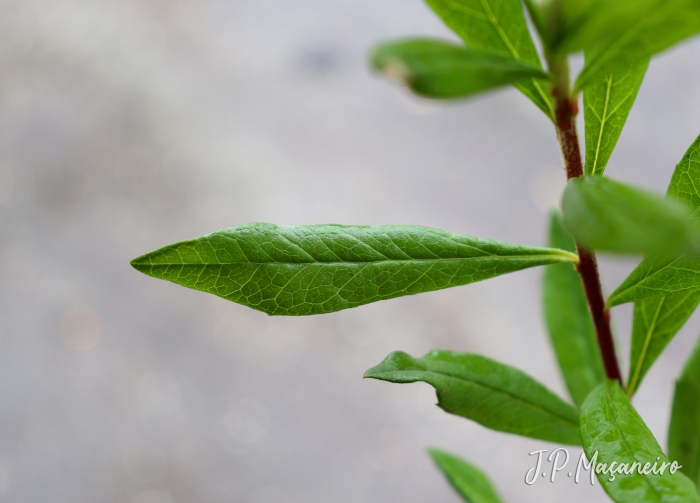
603	121
559	258
503	392
624	441
644	279
642	356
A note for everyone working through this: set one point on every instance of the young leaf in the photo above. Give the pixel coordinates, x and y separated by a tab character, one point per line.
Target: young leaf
585	24
610	216
538	14
492	394
658	277
318	269
444	70
656	322
626	32
569	321
612	428
684	430
469	482
560	22
606	105
499	26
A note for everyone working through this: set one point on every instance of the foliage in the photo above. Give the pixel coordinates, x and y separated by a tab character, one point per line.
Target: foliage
317	269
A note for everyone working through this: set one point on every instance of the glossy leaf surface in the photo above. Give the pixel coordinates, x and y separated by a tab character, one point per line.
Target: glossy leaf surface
613	429
606	105
611	216
569	321
469	482
495	395
499	26
319	269
656	322
655	277
444	70
684	430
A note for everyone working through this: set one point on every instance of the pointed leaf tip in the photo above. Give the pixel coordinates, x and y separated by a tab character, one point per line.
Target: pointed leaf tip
469	482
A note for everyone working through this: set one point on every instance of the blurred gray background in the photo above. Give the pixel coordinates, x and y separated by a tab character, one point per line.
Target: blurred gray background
126	125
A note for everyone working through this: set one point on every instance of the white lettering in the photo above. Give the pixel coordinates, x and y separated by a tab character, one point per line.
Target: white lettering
587	466
555	457
529	480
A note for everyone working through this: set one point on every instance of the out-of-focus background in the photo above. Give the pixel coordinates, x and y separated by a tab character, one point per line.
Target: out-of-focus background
126	125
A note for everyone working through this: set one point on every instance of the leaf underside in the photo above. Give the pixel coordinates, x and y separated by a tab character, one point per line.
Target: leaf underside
569	321
492	394
319	269
611	427
444	70
469	482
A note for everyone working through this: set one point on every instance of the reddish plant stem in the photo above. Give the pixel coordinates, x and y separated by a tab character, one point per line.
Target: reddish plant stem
565	114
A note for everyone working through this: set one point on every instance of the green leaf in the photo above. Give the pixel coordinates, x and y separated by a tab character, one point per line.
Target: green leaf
444	70
626	32
536	10
469	482
656	322
606	215
585	24
559	23
569	321
606	105
684	430
658	277
318	269
612	428
499	26
492	394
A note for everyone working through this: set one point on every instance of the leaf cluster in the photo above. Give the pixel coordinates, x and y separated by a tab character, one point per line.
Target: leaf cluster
318	269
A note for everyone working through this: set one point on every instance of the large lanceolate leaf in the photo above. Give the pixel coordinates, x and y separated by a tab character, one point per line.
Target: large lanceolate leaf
499	26
319	269
444	70
656	322
606	105
495	395
610	216
657	277
469	482
684	430
569	321
612	428
624	33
